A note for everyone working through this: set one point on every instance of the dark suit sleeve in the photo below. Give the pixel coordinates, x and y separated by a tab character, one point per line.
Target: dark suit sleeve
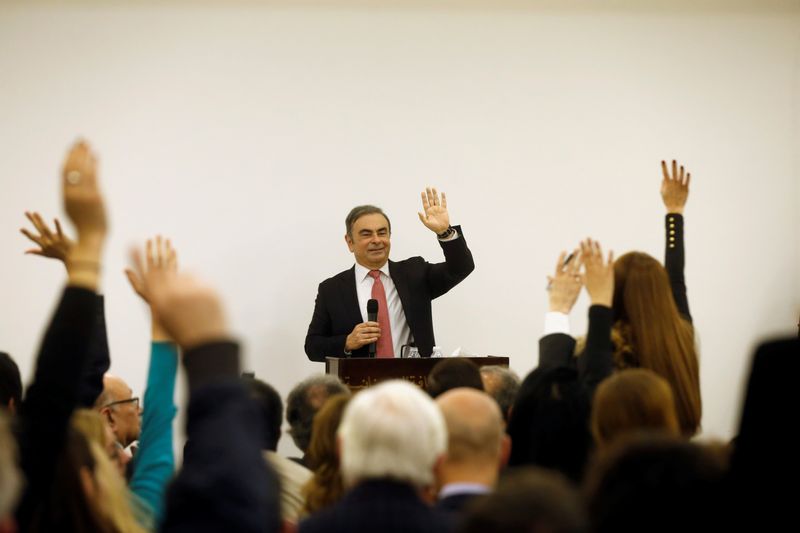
458	264
556	349
99	360
320	342
224	484
674	261
51	398
597	361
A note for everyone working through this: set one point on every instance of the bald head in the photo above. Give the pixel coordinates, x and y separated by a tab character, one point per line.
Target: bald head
120	409
474	425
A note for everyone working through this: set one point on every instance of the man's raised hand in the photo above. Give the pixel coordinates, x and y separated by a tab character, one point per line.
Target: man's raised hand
599	274
565	284
159	255
434	215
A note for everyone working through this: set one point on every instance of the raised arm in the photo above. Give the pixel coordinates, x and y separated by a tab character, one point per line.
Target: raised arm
154	462
54	393
458	262
55	244
675	193
597	361
224	484
556	345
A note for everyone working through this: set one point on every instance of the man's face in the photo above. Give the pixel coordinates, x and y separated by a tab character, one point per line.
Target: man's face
124	416
370	240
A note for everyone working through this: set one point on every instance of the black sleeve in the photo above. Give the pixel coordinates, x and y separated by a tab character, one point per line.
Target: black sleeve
53	395
458	264
674	261
99	360
597	361
320	343
225	483
556	349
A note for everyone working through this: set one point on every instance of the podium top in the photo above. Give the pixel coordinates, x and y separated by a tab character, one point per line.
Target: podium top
361	372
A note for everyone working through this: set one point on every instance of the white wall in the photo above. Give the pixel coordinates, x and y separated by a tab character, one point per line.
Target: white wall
247	130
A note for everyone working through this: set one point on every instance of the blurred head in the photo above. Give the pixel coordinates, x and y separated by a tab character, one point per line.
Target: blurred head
549	425
630	401
528	500
655	483
326	486
10	475
369	235
391	431
305	399
10	384
502	384
121	410
453	373
660	340
270	410
477	445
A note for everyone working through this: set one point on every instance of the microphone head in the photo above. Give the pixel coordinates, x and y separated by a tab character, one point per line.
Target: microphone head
372	306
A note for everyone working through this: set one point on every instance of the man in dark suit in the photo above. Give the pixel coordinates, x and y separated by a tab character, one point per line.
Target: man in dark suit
403	289
477	448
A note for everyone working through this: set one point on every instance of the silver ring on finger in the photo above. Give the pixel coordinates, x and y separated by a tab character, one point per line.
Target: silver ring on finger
73	177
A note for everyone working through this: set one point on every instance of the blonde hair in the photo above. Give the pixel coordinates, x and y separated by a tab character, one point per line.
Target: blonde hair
629	401
650	333
110	503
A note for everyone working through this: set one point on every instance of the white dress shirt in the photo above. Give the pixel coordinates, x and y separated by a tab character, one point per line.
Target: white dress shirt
401	333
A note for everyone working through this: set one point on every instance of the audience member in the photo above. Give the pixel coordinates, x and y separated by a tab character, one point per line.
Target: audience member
11	480
224	483
392	440
629	401
549	424
292	475
10	384
477	447
528	500
452	373
325	487
305	399
657	483
502	384
121	409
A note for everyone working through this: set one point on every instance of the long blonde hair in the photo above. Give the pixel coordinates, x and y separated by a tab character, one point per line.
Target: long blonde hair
650	333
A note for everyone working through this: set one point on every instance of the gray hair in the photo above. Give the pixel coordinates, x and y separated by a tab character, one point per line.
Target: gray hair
303	402
392	430
10	475
361	210
504	386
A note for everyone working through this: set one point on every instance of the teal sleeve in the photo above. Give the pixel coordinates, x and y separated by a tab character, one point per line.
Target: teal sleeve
154	463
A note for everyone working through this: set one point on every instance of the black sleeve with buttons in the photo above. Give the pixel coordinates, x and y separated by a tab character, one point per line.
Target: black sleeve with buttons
674	261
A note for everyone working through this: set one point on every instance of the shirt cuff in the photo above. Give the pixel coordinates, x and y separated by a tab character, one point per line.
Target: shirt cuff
555	322
452	237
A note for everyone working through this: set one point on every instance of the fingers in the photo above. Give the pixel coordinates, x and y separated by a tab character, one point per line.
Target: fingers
133	279
138	263
560	262
31	236
688	179
59	231
444	201
681	178
425	204
664	170
674	169
610	257
149	251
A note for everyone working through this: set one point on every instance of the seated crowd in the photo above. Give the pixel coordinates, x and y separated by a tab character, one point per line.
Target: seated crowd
598	437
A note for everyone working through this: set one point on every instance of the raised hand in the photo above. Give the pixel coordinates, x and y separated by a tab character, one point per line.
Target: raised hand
565	285
82	199
598	274
55	245
435	216
191	312
675	187
160	255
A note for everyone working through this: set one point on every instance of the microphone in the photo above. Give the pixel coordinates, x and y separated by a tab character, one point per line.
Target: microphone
372	316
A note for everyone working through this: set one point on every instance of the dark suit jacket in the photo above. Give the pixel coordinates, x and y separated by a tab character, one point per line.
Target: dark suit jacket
378	505
336	310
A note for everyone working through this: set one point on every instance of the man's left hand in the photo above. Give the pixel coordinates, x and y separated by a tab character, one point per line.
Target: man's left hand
436	218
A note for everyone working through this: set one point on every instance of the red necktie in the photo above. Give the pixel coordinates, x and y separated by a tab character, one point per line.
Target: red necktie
384	347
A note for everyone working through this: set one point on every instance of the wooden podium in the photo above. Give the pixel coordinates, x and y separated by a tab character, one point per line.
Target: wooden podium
361	372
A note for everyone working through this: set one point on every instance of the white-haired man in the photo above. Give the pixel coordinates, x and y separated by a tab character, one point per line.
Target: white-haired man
391	440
